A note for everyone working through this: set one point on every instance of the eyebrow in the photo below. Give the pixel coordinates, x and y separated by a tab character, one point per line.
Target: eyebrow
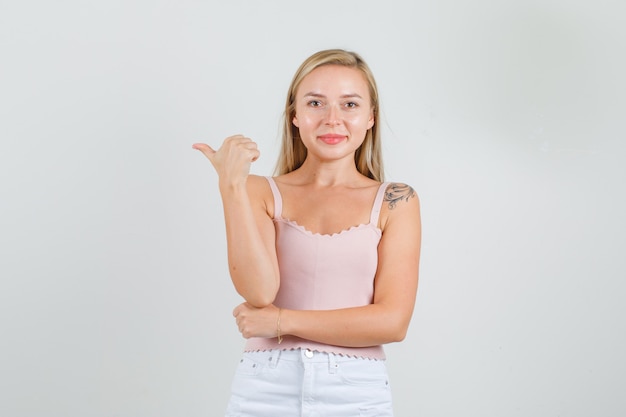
352	95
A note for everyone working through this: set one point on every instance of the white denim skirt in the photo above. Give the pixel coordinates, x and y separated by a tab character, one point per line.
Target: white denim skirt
305	383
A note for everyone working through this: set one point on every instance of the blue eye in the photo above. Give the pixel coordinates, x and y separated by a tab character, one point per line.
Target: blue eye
314	103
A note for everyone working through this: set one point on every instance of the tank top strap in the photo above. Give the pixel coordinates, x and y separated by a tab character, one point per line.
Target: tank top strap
278	200
378	202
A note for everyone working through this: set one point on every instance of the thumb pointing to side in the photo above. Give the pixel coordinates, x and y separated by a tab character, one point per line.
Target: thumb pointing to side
205	149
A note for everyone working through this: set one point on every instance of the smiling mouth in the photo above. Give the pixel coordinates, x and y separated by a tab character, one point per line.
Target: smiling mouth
331	139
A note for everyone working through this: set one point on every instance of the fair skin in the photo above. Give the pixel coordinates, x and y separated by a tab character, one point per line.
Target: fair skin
325	195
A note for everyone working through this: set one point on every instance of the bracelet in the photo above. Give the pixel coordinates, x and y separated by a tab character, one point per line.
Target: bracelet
280	337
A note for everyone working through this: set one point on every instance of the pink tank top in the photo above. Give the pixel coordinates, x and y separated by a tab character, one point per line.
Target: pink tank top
324	272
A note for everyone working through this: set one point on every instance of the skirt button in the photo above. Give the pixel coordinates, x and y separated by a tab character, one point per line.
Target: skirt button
308	353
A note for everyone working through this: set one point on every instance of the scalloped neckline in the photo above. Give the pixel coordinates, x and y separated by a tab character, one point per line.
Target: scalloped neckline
303	229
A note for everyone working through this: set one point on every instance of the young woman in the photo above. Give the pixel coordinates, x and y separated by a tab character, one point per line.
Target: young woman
325	254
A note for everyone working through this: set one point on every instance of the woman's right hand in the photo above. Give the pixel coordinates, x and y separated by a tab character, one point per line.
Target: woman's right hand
232	160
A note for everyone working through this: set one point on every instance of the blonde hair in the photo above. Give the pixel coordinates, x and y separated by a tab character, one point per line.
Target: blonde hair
368	157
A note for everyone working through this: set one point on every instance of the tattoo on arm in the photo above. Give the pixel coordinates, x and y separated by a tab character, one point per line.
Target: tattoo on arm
396	192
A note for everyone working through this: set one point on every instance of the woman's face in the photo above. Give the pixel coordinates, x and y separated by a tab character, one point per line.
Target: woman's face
333	111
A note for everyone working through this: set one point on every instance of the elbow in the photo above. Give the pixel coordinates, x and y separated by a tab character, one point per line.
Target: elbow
259	299
398	335
398	331
258	296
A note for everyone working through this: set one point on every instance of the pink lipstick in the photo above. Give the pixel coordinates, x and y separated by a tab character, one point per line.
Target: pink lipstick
331	138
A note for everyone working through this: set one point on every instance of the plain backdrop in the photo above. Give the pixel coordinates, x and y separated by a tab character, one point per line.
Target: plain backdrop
507	117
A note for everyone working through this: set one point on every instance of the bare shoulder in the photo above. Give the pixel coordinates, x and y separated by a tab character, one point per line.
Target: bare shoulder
257	181
260	192
396	193
400	205
258	186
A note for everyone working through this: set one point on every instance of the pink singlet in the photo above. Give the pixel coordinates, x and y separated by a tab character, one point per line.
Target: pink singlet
324	272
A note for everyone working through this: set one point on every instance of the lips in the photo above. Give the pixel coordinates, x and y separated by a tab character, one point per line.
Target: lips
331	138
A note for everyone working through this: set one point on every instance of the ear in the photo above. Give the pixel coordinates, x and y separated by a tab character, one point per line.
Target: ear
295	121
370	121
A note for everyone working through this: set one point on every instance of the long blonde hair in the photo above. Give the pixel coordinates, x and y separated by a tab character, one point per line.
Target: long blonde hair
368	157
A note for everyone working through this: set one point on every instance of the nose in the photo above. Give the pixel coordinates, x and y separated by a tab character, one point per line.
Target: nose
332	116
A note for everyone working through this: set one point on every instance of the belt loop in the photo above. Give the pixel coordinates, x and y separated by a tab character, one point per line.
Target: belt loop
274	357
332	363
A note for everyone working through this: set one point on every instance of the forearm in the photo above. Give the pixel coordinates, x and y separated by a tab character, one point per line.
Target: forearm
253	269
369	325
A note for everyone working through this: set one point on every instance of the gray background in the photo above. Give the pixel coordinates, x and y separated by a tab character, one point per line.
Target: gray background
506	117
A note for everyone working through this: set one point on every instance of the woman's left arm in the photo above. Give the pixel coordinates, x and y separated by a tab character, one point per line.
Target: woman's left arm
387	319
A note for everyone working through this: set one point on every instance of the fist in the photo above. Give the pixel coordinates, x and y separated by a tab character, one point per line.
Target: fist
233	159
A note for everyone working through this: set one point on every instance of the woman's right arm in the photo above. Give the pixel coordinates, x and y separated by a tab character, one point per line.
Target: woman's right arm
250	232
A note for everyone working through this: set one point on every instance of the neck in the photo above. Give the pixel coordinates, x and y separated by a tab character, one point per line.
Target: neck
328	174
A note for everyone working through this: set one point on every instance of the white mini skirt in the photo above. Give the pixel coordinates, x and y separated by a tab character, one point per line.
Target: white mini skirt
305	383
